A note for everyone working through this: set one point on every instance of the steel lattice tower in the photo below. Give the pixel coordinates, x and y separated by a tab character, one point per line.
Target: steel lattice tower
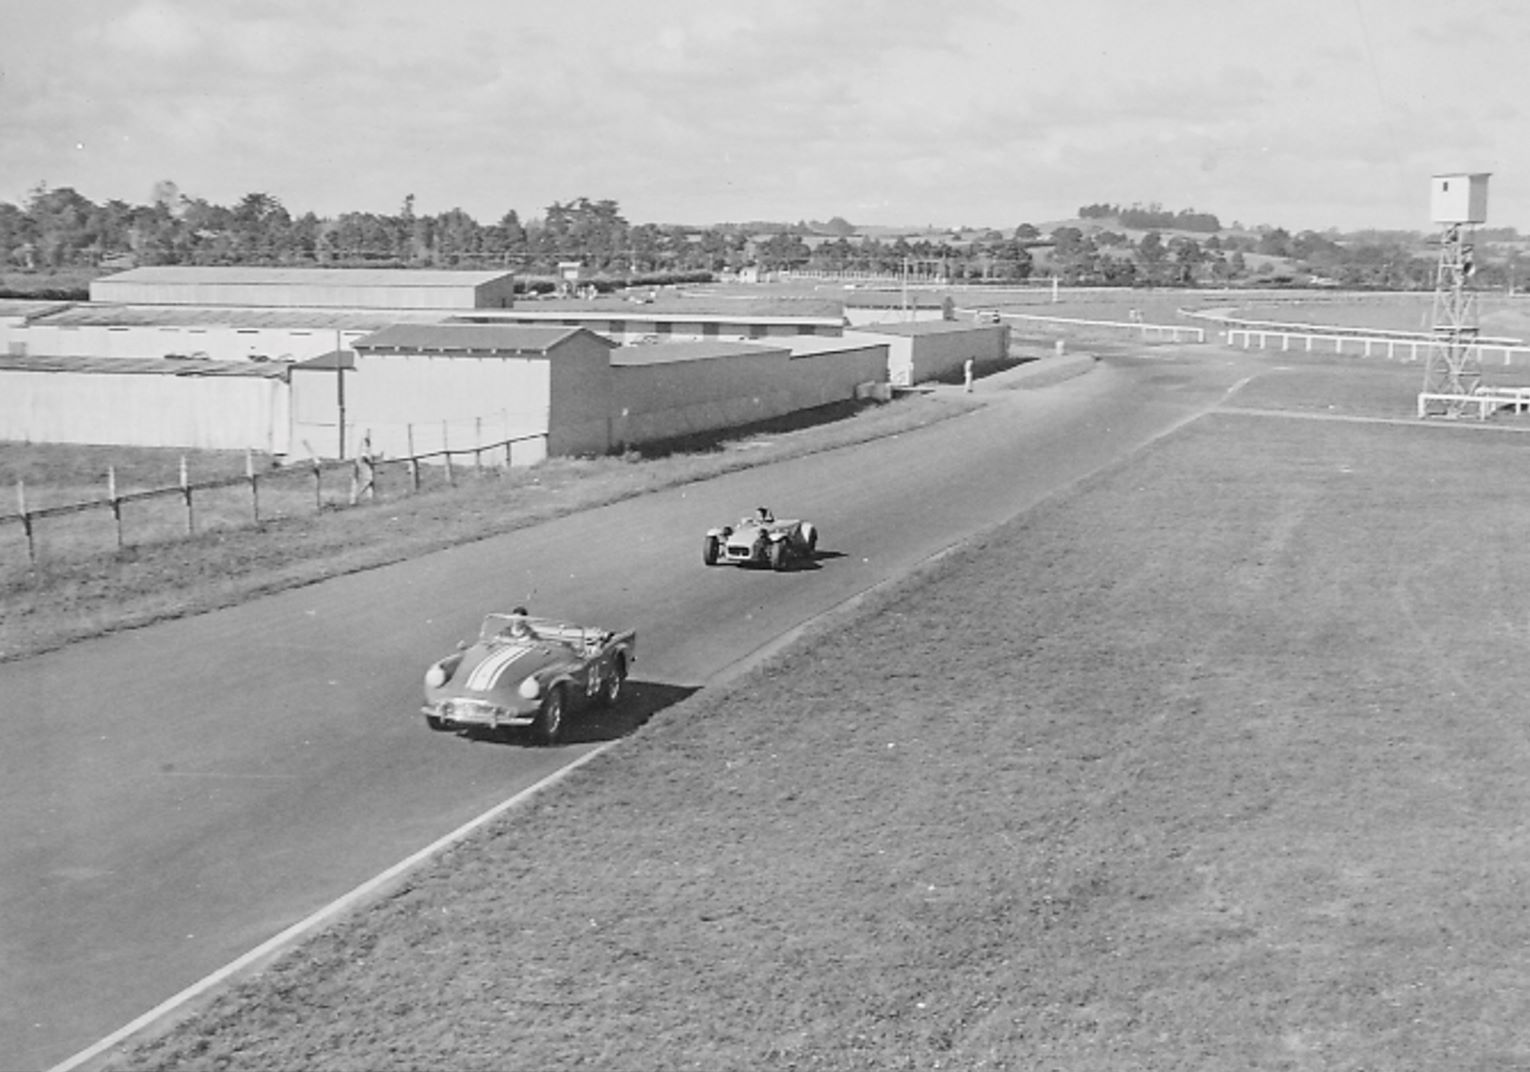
1454	365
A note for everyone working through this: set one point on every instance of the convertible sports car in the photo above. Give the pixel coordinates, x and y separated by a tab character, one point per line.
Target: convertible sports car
760	540
526	672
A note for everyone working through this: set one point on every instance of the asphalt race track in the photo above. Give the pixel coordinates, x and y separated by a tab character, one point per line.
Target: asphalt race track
173	796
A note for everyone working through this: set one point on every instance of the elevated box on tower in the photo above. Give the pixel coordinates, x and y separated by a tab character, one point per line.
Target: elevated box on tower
1459	197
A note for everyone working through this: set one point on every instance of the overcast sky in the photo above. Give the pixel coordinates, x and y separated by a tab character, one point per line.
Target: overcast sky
1298	113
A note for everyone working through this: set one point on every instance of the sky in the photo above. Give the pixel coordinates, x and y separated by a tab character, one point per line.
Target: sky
1303	114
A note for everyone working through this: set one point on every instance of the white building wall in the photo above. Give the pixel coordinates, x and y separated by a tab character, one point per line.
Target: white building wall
194	412
218	343
427	403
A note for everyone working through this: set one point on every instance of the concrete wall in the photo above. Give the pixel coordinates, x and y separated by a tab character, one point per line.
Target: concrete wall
146	410
580	397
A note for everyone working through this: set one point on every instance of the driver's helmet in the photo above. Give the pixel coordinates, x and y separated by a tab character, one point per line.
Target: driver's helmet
765	514
519	628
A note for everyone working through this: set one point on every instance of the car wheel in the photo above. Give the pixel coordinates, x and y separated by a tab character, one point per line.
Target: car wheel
778	555
435	723
709	551
611	688
810	540
549	724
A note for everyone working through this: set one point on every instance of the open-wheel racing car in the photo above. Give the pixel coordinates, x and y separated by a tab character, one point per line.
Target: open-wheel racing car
760	540
525	672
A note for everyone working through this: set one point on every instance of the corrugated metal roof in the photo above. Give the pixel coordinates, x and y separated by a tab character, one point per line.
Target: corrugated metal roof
106	314
331	361
813	345
319	277
919	327
147	366
664	353
477	338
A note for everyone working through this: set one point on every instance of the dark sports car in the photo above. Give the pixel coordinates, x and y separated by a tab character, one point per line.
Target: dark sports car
761	540
525	672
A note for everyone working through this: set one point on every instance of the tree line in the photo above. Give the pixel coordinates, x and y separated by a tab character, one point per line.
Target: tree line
60	228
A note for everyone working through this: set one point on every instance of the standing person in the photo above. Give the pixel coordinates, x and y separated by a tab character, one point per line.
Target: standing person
967	375
365	480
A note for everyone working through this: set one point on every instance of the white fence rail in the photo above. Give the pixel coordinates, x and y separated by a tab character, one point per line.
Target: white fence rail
1411	348
1140	328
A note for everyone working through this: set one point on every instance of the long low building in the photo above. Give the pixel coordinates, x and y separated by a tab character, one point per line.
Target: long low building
677	389
934	349
298	288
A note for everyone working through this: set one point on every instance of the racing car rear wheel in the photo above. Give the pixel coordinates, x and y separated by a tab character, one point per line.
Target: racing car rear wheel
778	555
548	726
611	688
435	723
709	551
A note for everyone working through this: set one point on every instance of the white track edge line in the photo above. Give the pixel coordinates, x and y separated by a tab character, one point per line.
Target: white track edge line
324	915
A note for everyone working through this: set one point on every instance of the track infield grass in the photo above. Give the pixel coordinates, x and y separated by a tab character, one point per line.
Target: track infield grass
1217	760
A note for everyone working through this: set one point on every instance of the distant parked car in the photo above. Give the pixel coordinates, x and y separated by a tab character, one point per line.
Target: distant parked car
760	540
527	672
988	316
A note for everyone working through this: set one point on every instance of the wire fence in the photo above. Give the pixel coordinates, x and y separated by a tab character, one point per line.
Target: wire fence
123	518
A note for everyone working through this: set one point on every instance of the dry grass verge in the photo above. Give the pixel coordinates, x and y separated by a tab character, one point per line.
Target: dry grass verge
1215	762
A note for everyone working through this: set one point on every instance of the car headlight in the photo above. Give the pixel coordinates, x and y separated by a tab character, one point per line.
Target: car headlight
435	677
529	689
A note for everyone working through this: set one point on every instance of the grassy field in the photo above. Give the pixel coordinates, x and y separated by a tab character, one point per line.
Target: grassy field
1216	761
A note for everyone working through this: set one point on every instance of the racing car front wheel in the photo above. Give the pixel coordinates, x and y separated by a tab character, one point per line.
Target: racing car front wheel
778	555
549	724
709	551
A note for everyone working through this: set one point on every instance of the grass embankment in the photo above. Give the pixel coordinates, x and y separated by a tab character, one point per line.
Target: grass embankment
1215	761
82	586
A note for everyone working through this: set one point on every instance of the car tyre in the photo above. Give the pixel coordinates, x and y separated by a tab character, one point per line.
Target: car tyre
548	727
778	555
435	723
709	551
611	688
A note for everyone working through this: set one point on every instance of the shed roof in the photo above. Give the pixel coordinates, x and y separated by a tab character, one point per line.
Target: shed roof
148	366
472	338
109	314
184	275
919	327
665	353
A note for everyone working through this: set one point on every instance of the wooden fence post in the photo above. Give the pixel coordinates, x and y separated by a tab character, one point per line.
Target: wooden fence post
446	452
191	520
249	472
478	447
26	518
318	490
414	462
111	497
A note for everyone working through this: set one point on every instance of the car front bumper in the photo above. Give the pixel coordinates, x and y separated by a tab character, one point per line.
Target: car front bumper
462	714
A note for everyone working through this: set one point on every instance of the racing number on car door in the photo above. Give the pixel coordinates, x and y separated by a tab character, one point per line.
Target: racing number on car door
592	680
